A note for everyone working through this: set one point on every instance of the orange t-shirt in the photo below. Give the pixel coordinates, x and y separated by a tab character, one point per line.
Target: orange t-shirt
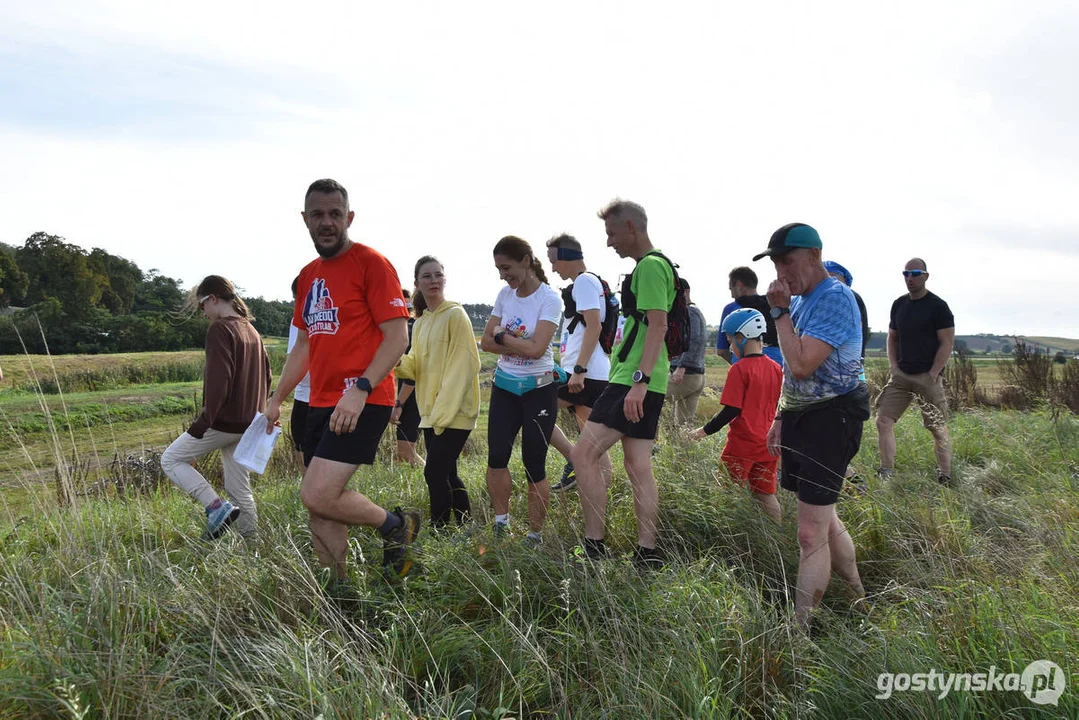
341	302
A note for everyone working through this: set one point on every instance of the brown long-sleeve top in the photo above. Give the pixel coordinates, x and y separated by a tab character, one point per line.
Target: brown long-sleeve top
236	381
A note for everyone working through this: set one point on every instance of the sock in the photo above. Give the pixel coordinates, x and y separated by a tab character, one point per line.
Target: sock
214	505
502	519
391	523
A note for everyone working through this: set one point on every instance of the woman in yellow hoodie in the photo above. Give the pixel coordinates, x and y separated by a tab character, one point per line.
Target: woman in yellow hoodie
445	365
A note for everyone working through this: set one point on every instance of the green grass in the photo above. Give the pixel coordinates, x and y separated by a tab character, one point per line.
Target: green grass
113	608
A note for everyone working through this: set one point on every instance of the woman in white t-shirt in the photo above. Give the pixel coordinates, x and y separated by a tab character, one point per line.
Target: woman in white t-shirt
525	393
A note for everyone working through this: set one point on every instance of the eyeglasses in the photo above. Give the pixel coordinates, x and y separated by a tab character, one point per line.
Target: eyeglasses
914	273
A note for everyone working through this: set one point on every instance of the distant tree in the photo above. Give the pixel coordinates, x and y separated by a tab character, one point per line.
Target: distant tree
59	270
157	292
13	281
961	347
272	317
1006	347
121	279
478	314
1060	358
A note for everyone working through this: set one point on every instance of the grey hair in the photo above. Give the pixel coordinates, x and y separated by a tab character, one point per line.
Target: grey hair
625	209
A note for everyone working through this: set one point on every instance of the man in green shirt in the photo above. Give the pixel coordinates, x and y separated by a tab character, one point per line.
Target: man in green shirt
630	407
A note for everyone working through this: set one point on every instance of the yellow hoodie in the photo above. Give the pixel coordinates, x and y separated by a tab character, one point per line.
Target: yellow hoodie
445	364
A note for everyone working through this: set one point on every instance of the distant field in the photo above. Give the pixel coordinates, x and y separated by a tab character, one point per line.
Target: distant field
20	369
1067	344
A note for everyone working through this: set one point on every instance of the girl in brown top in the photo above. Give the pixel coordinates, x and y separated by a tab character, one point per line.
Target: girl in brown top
235	385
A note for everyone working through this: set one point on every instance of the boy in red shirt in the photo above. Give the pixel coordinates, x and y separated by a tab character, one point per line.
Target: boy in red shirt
749	398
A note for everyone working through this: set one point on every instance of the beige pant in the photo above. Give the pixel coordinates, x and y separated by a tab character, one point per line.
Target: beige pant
902	389
684	396
184	450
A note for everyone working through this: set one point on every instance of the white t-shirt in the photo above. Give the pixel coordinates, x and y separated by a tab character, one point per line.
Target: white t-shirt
303	388
520	316
588	295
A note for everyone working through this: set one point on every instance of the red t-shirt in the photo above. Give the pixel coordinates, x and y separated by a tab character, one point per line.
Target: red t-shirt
341	302
753	386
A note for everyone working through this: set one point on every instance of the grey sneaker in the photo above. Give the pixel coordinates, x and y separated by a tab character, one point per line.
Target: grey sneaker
396	557
218	519
885	473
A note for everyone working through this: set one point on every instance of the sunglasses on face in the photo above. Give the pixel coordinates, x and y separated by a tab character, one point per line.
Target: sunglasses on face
202	300
914	273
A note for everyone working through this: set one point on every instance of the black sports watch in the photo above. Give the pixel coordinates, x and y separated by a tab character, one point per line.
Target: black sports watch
580	370
778	312
364	384
498	337
640	377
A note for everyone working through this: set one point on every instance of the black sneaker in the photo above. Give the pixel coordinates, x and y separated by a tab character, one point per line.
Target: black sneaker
395	546
945	479
595	549
569	479
647	559
885	473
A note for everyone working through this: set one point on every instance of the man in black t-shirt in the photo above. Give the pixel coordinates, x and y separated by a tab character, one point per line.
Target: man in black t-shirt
921	335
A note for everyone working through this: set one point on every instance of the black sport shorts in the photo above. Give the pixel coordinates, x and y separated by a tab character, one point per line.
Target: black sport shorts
818	445
608	411
358	447
587	397
297	425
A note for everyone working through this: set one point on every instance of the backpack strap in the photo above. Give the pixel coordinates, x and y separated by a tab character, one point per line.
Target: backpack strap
640	317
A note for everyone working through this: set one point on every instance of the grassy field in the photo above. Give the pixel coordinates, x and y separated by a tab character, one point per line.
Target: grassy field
113	608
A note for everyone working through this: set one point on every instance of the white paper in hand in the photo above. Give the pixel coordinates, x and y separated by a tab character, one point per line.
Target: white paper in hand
254	449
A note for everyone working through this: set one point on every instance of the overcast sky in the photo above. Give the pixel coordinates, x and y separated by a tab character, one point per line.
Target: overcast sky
183	135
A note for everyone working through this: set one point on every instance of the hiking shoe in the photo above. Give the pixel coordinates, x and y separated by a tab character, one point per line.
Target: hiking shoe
647	559
533	539
218	519
595	549
569	479
945	479
395	546
885	473
501	530
856	485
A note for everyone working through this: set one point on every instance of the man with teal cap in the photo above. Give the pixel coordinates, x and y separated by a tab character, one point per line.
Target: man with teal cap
818	427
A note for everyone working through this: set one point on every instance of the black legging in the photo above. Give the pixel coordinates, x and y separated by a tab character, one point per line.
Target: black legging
449	498
533	414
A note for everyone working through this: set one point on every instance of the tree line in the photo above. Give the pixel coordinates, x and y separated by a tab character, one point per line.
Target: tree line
57	296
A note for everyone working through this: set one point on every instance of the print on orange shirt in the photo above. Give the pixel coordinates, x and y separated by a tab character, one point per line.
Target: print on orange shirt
319	313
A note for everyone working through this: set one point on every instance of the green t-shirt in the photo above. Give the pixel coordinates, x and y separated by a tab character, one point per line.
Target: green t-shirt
653	286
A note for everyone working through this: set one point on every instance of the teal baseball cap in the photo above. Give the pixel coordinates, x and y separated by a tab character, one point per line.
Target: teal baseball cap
790	237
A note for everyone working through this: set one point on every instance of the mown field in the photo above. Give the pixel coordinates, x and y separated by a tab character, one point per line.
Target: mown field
111	607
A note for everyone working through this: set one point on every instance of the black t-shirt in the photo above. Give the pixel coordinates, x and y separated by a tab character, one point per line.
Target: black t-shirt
916	323
865	321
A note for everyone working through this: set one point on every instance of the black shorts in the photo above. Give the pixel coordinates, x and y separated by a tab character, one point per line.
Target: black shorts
297	424
587	397
818	445
609	411
408	426
358	447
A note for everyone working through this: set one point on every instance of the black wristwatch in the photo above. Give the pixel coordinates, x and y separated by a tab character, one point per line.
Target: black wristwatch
498	337
640	377
364	384
778	312
580	370
397	404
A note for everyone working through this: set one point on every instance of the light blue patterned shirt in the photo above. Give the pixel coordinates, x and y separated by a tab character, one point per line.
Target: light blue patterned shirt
830	314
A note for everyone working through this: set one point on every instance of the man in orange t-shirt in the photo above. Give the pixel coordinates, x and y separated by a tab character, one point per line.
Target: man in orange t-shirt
353	329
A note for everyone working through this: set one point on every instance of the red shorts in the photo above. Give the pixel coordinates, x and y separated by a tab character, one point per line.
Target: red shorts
760	476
